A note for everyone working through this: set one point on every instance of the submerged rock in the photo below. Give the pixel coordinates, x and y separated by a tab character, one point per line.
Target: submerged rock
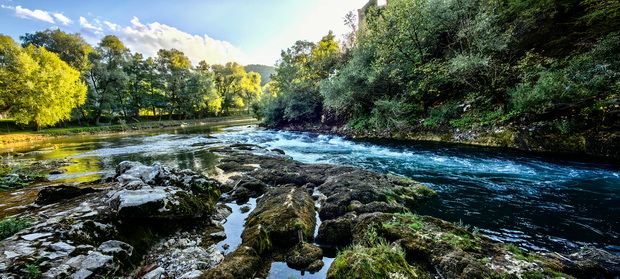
54	194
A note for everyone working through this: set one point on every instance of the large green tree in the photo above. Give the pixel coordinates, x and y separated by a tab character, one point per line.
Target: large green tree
71	48
106	78
36	86
174	68
300	70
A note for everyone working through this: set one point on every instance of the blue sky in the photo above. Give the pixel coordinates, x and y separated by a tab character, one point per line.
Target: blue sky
218	31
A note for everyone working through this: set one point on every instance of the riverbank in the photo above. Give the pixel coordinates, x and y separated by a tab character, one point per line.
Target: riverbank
8	140
595	145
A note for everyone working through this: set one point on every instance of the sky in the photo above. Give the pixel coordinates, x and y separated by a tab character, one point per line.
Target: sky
217	31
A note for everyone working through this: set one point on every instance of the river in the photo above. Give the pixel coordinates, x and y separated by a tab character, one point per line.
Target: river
539	203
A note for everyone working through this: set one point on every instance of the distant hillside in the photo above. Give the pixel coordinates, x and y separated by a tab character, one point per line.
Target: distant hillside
264	71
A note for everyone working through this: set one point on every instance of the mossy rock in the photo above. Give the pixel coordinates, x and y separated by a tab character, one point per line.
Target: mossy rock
453	251
244	262
281	213
335	232
302	255
383	260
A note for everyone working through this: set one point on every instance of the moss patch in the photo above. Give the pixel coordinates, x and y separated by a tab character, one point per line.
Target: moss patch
383	260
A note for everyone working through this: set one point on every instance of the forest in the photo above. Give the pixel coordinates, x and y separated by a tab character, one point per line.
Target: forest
54	77
420	65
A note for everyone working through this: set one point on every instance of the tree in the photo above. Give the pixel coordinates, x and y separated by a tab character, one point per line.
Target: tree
300	70
36	85
250	89
71	48
174	69
106	78
228	83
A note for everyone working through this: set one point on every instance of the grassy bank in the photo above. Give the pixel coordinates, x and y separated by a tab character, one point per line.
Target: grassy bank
13	137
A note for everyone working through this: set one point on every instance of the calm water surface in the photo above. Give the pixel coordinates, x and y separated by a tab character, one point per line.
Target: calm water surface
539	203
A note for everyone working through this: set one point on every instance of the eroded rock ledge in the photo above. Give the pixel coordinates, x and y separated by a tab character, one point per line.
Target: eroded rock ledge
155	221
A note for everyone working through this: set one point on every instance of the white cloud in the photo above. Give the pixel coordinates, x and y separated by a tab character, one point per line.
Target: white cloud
39	15
112	26
136	23
149	38
63	19
87	25
30	14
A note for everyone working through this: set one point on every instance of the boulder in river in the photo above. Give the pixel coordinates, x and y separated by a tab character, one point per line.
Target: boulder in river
158	192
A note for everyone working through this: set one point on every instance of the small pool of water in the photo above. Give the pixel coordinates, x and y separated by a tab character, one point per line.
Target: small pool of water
233	225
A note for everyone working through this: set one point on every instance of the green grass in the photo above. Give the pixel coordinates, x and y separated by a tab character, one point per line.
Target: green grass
10	226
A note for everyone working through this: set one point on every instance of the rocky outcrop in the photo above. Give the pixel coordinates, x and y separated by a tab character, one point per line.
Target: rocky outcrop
435	248
283	221
158	192
79	235
338	189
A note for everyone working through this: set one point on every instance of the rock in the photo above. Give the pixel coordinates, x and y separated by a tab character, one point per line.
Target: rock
335	232
96	261
61	249
222	212
241	263
81	274
340	185
315	266
589	263
35	236
379	261
278	217
221	234
118	249
155	273
157	192
191	274
375	192
61	271
54	194
302	255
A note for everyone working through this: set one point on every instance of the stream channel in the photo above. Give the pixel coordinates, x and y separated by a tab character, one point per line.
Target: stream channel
538	203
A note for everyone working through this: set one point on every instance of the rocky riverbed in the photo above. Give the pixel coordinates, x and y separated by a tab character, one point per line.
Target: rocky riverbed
160	222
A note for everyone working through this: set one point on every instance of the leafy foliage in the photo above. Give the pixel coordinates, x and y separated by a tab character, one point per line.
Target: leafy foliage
464	64
10	226
297	78
32	74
